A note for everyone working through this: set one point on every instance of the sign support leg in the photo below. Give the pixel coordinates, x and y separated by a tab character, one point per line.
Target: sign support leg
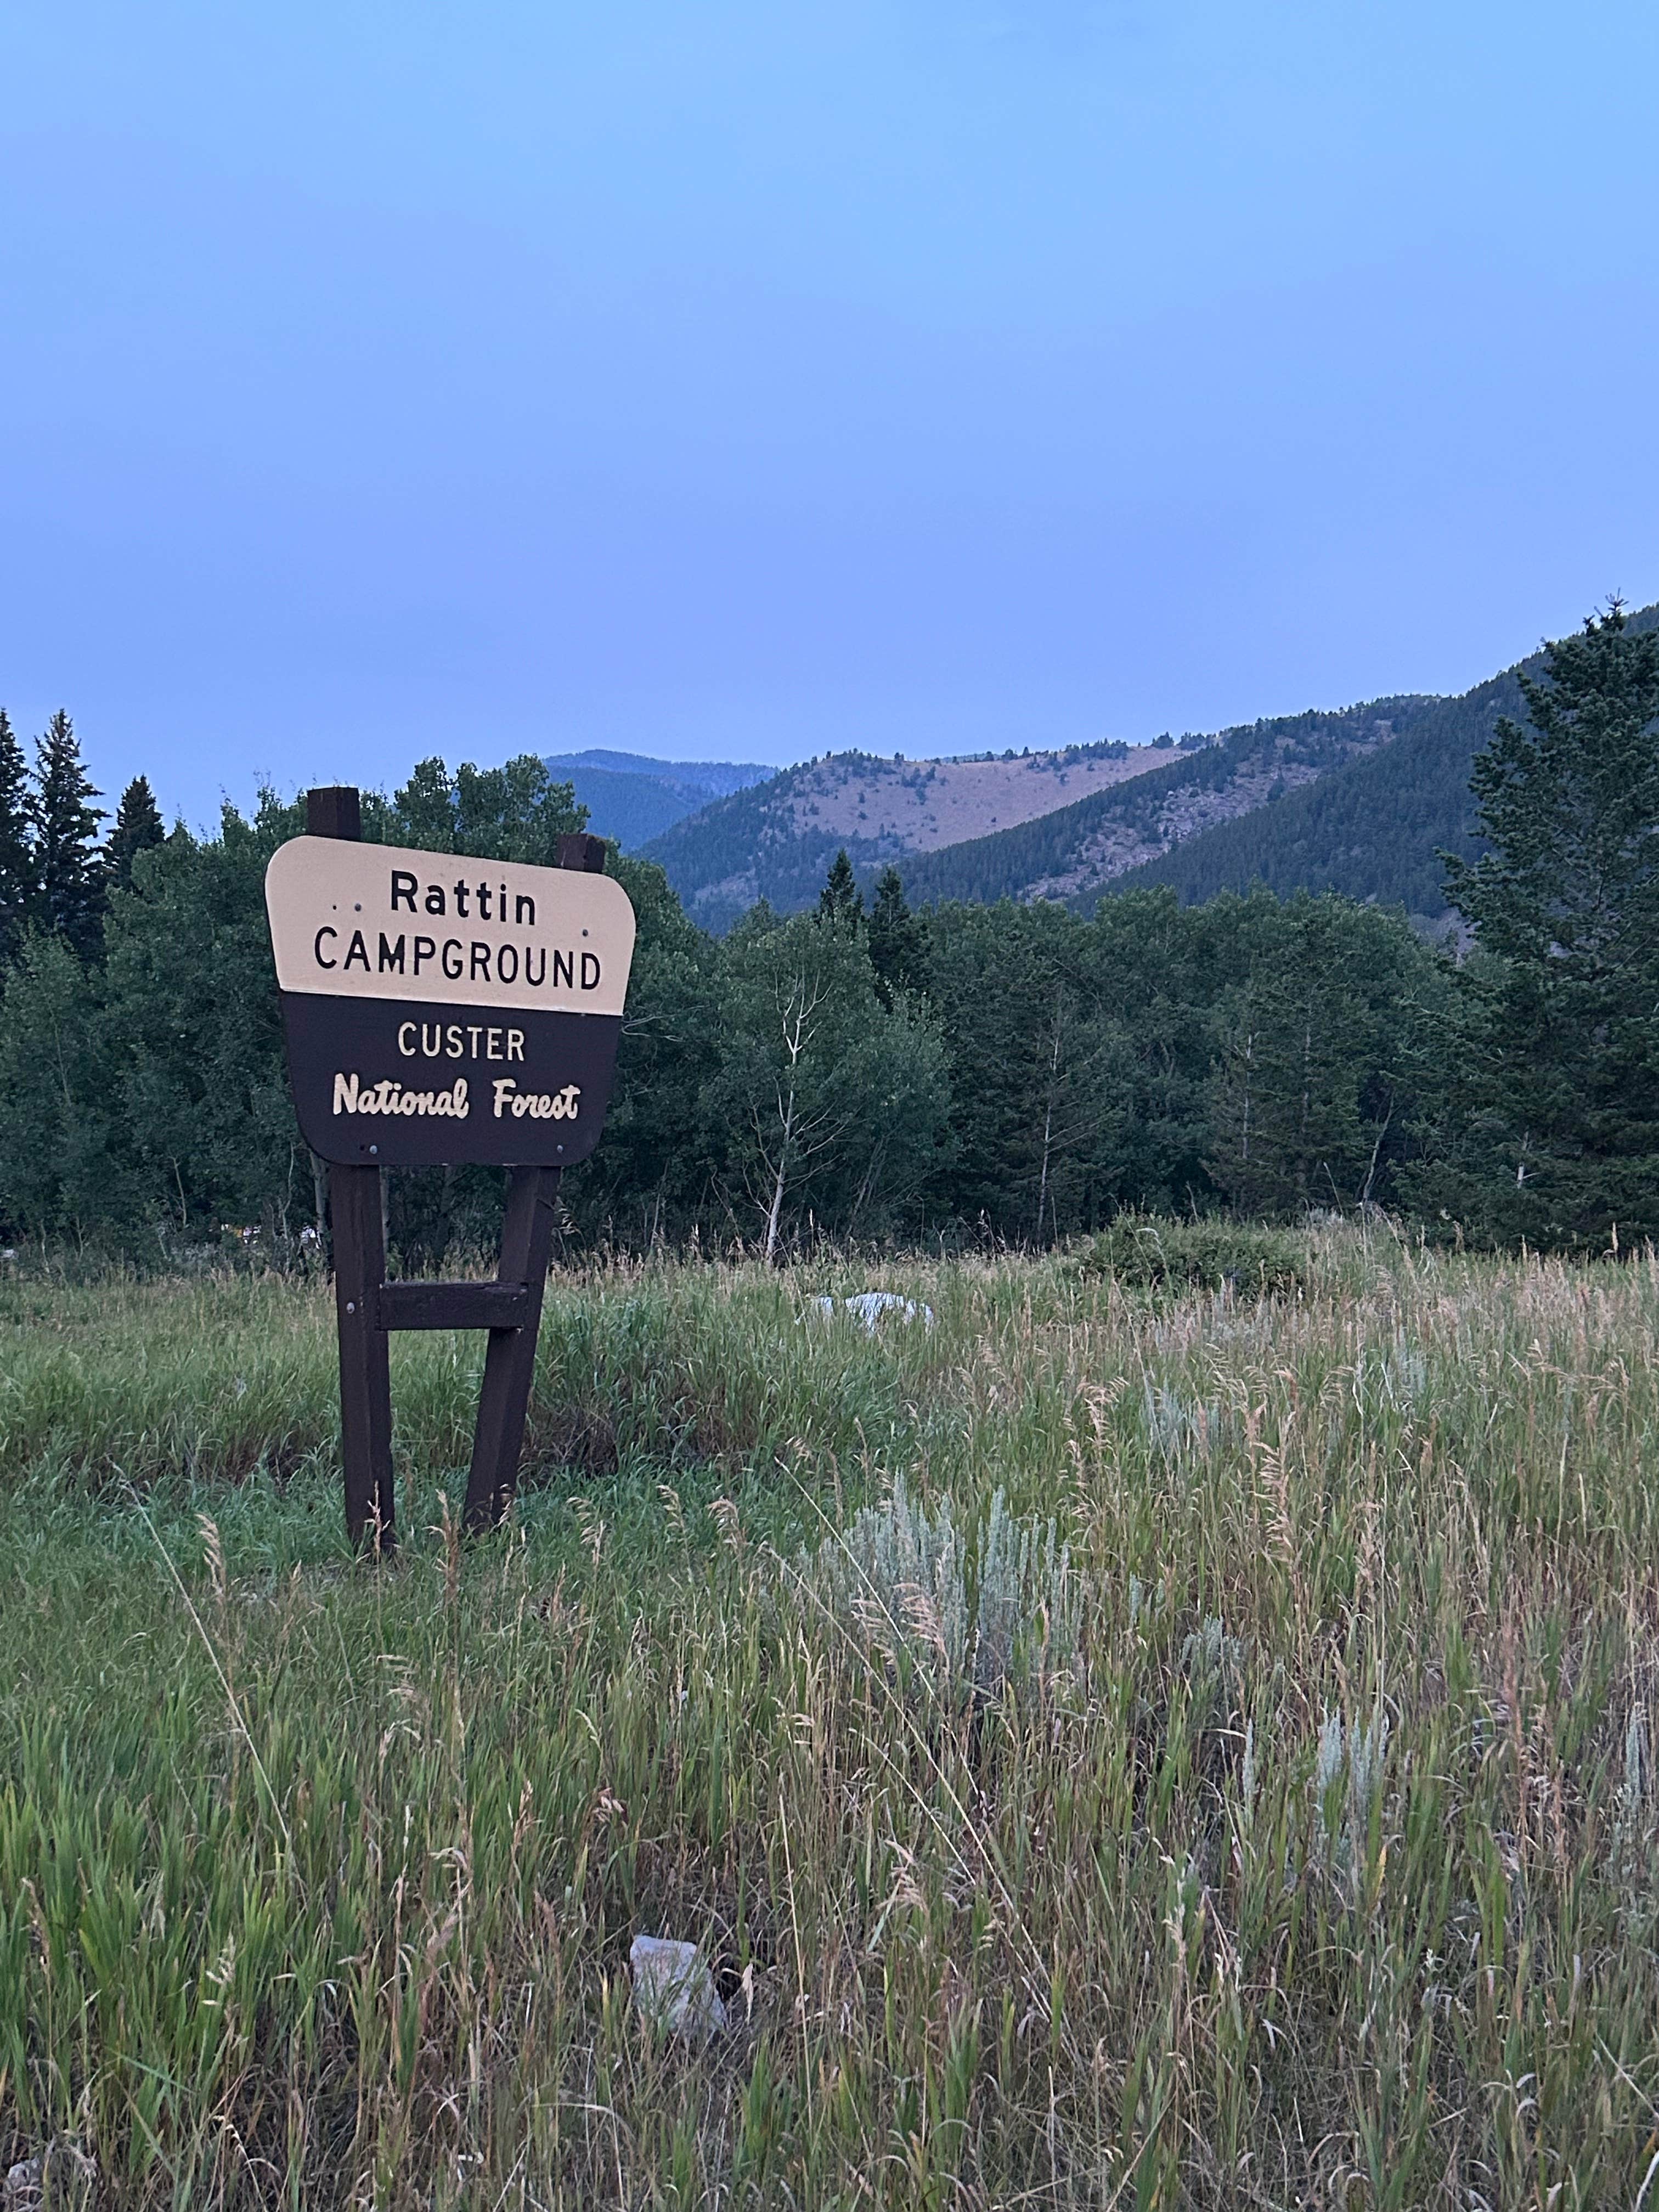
510	1361
365	1359
355	1218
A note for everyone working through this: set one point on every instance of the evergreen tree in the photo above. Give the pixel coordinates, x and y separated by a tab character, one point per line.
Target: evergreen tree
1565	1088
840	902
59	1171
1079	1057
69	871
137	826
16	847
649	1177
1315	1045
898	945
192	1032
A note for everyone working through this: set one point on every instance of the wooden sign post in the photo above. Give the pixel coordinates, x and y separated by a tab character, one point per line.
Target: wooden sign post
438	1010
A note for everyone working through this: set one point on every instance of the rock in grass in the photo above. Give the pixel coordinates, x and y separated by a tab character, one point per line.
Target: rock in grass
872	1308
674	1989
26	2183
59	2175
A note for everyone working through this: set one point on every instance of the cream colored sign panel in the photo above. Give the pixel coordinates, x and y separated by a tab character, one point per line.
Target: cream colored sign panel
351	920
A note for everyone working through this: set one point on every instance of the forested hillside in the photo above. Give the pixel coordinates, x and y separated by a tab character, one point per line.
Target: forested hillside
1073	853
1373	829
1363	803
749	847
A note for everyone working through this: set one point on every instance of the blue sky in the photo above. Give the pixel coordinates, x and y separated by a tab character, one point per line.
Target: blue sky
753	380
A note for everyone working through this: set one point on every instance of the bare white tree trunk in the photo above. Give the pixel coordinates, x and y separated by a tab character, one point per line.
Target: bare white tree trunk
798	1012
775	1212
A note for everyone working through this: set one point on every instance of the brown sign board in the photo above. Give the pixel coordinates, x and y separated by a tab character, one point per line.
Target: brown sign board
440	1009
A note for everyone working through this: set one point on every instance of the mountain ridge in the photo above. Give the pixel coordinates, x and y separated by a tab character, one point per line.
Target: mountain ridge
776	840
1375	828
1358	799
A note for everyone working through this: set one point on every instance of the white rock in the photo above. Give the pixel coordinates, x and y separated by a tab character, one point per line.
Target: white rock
62	2170
674	1987
871	1306
26	2183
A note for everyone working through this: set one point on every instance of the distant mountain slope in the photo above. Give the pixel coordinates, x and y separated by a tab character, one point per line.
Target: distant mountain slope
1361	802
1360	799
1374	830
776	840
633	799
1075	852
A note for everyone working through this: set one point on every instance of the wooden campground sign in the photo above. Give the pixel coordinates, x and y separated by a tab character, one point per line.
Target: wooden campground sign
440	1009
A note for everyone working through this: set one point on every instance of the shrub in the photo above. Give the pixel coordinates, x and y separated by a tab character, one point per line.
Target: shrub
1146	1253
976	1605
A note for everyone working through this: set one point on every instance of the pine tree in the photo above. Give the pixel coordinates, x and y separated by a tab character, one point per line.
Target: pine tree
70	876
898	949
1565	906
16	847
139	826
840	902
1311	1055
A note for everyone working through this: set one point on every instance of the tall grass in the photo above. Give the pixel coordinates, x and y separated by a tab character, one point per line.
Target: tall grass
1299	1844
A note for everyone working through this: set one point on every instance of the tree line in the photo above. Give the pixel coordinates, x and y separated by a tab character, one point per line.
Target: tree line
869	1071
54	873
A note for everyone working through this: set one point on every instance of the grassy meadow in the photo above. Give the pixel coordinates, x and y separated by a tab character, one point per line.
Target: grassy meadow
1142	1741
